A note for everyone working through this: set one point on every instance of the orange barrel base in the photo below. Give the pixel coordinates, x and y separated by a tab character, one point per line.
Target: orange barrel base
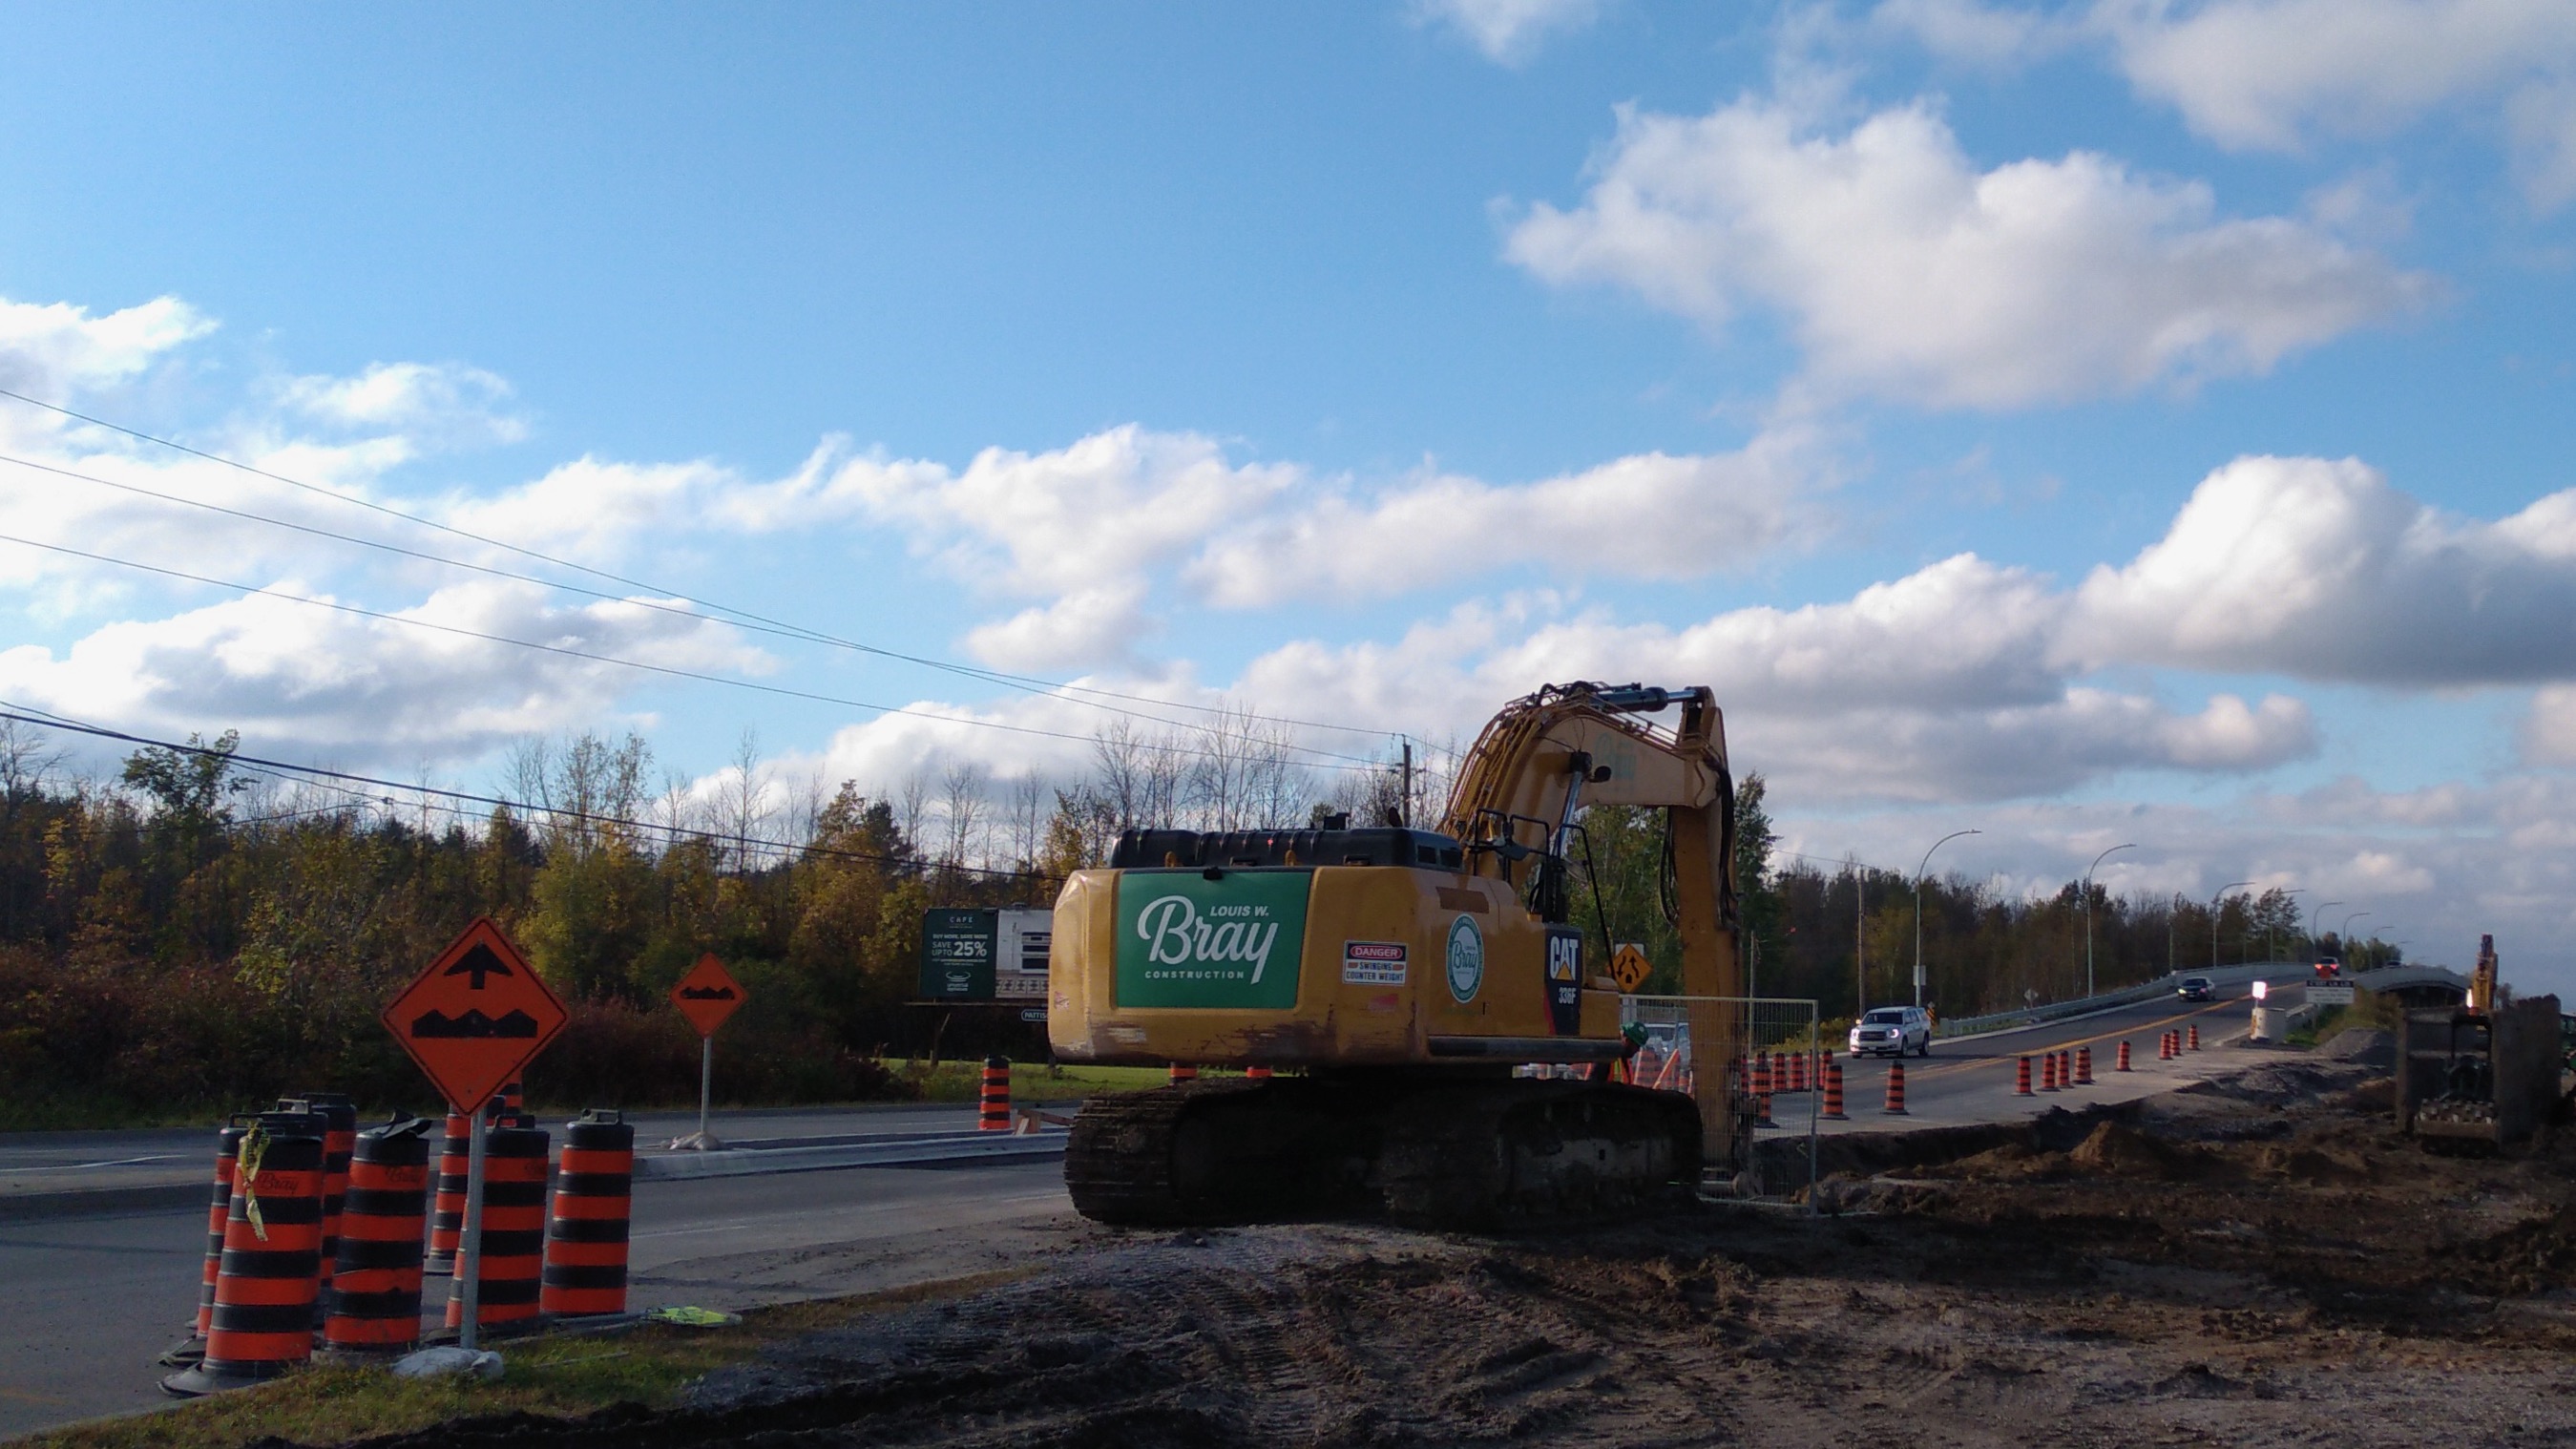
374	1301
585	1267
1183	1072
1257	1073
447	1222
264	1289
189	1350
514	1231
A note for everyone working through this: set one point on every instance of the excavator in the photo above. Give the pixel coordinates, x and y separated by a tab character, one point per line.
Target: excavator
1383	982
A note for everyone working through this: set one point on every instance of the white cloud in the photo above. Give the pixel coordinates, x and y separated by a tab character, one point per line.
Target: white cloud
2549	727
50	349
1509	32
290	675
1088	627
2319	569
1711	511
452	403
1973	34
1903	270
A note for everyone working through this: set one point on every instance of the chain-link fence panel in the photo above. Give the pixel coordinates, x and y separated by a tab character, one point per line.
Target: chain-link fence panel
1776	1071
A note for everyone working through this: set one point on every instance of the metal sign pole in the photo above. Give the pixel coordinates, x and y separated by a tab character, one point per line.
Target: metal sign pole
706	1080
469	1248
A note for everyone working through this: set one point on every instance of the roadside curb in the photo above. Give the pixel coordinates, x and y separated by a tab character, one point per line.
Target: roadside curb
101	1201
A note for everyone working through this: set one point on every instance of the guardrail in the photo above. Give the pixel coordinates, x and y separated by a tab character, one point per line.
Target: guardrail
891	1150
2104	1001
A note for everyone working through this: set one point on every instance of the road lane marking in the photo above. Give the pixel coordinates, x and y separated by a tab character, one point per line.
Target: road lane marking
85	1166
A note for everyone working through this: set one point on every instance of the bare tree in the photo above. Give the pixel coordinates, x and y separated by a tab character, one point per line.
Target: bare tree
1029	795
28	758
961	800
912	806
744	799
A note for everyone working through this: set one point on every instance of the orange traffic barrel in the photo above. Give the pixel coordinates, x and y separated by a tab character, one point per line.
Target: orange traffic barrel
585	1268
339	1138
513	1244
264	1287
1833	1092
1896	1090
2124	1057
1257	1073
2048	1071
219	1207
996	1113
447	1218
2195	1036
374	1298
2021	1078
1184	1072
2066	1069
2084	1066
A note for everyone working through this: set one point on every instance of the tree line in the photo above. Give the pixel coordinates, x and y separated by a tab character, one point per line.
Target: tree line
193	934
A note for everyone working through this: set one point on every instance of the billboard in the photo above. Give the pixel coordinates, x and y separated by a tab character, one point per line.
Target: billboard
985	953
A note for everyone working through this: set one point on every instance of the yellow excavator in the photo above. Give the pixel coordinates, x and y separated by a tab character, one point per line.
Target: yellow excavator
1395	977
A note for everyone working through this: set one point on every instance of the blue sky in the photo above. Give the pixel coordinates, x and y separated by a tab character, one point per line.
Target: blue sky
1368	364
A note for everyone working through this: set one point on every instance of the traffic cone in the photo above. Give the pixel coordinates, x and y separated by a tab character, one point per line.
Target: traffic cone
1896	1090
1833	1092
2124	1057
1183	1072
2021	1078
2066	1071
447	1215
374	1301
585	1264
2084	1066
264	1289
2048	1071
996	1113
2195	1036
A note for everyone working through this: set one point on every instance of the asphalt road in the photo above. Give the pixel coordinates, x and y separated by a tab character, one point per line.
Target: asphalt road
94	1299
1971	1079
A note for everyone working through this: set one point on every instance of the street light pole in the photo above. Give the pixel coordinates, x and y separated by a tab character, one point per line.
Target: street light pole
2343	933
2312	922
1918	907
2088	913
2213	918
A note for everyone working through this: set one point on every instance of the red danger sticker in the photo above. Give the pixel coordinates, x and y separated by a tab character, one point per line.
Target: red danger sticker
1373	963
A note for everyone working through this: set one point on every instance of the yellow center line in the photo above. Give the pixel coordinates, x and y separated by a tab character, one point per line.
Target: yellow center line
1971	1063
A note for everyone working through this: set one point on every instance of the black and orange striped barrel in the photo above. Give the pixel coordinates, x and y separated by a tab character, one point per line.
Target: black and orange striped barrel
585	1271
265	1287
339	1138
447	1217
995	1115
514	1230
374	1297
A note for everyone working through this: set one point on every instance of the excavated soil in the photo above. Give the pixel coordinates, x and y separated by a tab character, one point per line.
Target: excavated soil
2253	1262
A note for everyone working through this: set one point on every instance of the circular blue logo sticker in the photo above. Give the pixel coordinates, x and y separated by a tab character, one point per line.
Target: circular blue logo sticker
1466	959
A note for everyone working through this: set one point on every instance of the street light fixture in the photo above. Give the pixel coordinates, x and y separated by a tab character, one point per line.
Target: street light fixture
2343	933
1918	907
2213	918
2088	913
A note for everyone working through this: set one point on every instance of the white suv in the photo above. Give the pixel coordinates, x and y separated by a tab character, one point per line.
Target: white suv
1893	1030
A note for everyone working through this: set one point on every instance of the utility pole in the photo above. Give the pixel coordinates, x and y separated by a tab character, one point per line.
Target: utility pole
2088	914
1918	907
1860	941
1406	809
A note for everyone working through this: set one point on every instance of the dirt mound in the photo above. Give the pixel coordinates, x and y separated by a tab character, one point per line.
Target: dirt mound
2365	1046
2120	1151
2319	1168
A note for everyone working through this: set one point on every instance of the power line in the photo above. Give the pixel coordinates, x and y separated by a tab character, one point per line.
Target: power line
671	671
48	720
1014	681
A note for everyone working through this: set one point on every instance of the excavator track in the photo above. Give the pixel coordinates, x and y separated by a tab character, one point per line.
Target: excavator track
1492	1154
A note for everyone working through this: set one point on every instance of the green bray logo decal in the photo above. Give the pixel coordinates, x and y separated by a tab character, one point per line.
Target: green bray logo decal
1466	959
1185	940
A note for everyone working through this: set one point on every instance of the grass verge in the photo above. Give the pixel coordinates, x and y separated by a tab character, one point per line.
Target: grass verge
963	1081
563	1377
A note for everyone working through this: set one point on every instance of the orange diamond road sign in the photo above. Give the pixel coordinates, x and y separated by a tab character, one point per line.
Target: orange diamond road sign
475	1017
707	995
1628	966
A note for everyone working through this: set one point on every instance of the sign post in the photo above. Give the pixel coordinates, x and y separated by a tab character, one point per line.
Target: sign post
706	996
473	1021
